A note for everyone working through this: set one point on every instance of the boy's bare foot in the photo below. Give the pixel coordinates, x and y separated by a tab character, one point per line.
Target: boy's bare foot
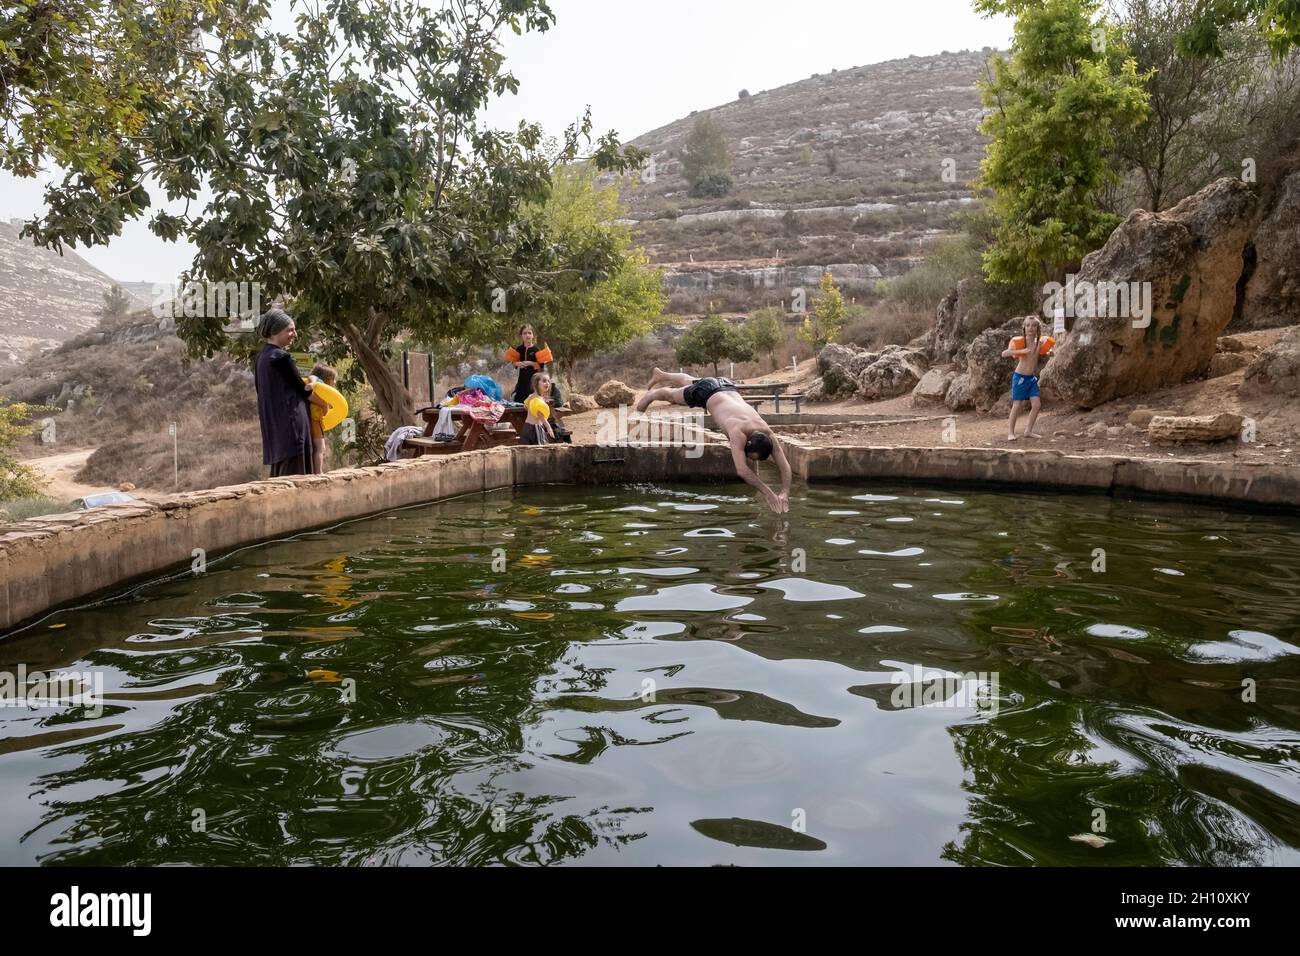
1011	438
1032	435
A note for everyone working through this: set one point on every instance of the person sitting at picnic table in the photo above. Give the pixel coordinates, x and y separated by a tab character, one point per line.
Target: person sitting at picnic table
282	399
529	358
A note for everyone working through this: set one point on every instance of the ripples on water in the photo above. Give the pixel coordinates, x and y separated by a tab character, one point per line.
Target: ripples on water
669	675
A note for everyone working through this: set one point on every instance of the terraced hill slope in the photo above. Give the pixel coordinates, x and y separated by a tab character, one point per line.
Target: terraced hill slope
855	169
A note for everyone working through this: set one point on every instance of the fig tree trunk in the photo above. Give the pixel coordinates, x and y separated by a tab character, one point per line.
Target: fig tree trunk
391	397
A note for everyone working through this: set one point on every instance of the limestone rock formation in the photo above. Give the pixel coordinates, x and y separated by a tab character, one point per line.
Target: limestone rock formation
1191	256
1225	363
840	366
933	386
1272	294
959	317
895	371
987	374
581	403
1172	429
613	394
1141	417
1276	370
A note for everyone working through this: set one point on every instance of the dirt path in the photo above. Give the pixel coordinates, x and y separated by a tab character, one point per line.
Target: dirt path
59	472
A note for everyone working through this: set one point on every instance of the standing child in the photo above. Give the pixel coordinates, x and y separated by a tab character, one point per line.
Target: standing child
321	373
1028	349
537	426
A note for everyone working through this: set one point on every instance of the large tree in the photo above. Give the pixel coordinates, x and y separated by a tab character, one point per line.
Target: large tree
1058	104
1207	113
706	158
580	318
349	174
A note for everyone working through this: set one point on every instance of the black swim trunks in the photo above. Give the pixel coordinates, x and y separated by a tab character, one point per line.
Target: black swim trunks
698	393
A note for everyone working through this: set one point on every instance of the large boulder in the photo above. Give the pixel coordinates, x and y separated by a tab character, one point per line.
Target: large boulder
960	317
959	397
1174	429
987	373
894	372
581	403
1272	294
839	366
1276	370
613	394
933	386
1191	256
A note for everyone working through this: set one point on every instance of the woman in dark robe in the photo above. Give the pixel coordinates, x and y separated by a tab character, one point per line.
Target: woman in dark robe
282	398
530	358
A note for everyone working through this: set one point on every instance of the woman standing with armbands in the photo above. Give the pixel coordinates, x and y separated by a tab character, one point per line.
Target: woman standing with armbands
529	358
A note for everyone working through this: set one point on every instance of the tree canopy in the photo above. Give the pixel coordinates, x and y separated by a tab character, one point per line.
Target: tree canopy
1212	20
823	324
713	340
706	158
578	318
81	81
1068	90
350	175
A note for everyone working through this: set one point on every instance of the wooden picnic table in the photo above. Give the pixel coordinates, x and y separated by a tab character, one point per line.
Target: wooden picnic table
472	433
763	388
756	393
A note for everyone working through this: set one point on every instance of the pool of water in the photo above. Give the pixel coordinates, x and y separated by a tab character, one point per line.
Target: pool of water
668	674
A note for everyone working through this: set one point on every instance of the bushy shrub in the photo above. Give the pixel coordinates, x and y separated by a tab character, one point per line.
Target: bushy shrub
712	185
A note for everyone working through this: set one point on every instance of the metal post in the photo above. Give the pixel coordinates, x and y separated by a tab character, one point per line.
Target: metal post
176	458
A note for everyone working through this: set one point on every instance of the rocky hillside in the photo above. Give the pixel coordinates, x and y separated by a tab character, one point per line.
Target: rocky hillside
46	298
854	169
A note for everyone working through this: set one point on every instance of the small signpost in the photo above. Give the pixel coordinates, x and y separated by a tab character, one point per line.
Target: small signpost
176	460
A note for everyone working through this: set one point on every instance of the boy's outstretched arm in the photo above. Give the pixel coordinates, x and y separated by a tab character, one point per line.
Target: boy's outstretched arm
749	475
784	466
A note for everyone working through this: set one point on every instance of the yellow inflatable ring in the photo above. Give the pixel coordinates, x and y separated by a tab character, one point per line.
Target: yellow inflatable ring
338	409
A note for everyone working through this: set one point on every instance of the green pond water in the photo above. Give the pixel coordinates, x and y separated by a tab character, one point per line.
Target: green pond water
890	674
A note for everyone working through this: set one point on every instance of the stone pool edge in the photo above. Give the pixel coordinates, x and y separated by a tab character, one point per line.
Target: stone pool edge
54	560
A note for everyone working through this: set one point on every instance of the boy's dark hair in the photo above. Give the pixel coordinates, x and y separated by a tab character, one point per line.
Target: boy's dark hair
325	373
759	446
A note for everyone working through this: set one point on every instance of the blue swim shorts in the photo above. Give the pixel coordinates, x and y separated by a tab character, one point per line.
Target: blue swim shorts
1023	387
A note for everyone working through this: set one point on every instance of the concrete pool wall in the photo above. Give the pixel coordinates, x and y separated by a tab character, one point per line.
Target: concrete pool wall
54	560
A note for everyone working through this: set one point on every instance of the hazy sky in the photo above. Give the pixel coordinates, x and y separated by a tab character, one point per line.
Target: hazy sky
641	65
